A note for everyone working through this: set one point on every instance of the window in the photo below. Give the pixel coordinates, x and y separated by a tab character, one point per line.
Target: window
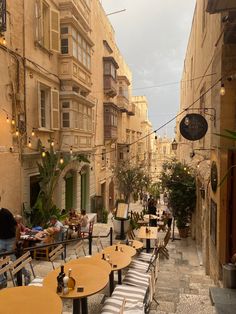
64	46
48	101
109	69
81	50
76	116
123	91
47	26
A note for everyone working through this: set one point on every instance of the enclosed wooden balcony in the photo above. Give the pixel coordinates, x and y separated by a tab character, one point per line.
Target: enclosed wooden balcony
109	76
216	6
110	121
110	86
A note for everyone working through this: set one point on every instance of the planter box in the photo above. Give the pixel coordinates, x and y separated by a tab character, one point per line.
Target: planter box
183	232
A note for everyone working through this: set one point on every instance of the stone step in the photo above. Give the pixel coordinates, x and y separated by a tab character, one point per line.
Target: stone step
197	304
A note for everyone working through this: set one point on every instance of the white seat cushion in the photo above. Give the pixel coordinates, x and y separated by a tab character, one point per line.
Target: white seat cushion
113	306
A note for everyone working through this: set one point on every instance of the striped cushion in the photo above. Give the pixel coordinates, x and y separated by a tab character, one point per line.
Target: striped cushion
130	293
37	282
145	257
135	278
139	265
113	306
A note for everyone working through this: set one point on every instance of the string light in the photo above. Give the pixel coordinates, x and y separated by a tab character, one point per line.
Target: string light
52	143
127	148
33	132
222	89
13	122
71	150
43	152
17	132
155	135
29	143
7	119
61	160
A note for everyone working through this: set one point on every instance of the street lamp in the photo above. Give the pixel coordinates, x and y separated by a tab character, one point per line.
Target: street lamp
174	145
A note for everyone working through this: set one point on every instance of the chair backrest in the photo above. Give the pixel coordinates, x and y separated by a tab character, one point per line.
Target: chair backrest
5	265
55	253
131	234
19	264
99	243
78	247
167	237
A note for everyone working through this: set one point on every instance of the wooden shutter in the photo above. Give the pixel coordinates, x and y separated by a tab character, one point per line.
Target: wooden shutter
55	110
38	21
54	31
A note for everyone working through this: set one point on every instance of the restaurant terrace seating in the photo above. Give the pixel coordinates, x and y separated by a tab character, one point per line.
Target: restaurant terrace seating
55	253
5	265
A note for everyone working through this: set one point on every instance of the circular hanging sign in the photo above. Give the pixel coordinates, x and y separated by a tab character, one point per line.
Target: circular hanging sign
193	126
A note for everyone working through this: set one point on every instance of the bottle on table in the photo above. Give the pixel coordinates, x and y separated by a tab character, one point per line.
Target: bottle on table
71	281
65	285
127	241
60	277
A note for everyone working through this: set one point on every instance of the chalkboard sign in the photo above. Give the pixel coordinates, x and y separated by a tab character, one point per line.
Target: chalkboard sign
193	126
213	223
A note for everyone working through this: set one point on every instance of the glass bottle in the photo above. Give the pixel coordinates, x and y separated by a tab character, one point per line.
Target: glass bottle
65	285
71	281
60	277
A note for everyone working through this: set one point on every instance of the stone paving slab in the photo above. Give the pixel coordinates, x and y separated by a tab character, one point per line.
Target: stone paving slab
195	304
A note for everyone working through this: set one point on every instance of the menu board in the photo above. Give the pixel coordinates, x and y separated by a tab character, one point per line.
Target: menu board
122	211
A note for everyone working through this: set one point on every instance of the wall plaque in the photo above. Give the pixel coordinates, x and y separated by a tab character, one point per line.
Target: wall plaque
193	126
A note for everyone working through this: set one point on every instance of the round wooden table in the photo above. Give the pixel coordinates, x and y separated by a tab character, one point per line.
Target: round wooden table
136	244
128	250
92	261
89	277
28	300
118	260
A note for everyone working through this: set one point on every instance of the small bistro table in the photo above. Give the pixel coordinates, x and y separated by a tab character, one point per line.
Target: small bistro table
150	235
28	300
89	277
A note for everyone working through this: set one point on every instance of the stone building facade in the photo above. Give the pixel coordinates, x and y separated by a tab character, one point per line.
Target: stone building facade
208	88
66	85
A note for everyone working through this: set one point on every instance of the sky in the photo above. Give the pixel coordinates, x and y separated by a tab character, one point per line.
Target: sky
152	36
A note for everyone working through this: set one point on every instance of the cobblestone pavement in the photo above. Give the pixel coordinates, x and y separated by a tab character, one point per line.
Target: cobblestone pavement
181	287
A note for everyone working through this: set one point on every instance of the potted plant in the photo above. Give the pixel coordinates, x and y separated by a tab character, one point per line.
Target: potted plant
179	181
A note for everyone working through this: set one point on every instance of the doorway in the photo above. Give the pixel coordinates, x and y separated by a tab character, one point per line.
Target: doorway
69	190
34	189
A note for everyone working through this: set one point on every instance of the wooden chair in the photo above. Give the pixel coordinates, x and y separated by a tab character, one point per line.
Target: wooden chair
5	265
55	253
84	234
20	264
162	247
78	247
43	253
99	243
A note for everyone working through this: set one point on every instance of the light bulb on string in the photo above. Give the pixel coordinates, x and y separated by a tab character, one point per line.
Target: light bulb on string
4	42
17	132
43	152
33	132
222	89
29	143
7	119
71	150
61	160
52	143
13	122
127	148
155	135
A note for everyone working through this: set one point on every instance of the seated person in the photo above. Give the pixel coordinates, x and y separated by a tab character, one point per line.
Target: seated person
57	228
83	221
22	228
45	235
73	214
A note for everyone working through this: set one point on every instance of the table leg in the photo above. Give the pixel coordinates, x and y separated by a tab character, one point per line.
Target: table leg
76	306
119	277
111	277
84	305
148	245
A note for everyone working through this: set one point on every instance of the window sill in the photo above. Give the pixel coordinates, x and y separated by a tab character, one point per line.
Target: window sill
45	130
46	50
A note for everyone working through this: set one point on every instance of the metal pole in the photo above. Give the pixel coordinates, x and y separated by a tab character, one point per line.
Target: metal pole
90	243
19	253
111	235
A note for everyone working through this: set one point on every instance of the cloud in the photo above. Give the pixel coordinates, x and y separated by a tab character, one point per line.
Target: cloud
152	35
